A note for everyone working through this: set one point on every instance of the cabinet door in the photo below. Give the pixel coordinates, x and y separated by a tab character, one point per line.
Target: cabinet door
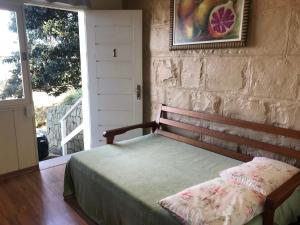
111	44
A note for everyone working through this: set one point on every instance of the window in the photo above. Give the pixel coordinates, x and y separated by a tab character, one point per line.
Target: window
11	78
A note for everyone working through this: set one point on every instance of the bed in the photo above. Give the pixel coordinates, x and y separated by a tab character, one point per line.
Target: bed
121	183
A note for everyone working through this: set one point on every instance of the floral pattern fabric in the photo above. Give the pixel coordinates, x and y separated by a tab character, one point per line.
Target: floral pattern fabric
263	175
216	202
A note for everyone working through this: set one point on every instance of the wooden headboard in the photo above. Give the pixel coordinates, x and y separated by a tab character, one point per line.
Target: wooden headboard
158	126
280	150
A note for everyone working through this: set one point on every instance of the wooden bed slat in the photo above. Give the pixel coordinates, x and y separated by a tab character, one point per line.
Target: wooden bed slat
233	138
235	122
210	147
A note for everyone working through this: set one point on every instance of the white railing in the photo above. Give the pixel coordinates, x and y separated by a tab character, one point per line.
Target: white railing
63	124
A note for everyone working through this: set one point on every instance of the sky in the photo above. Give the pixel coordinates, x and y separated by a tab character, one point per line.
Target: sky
9	43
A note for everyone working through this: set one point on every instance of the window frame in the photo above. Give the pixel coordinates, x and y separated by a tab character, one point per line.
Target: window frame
27	98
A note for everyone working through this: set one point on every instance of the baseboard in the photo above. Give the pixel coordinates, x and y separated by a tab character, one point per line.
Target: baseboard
19	173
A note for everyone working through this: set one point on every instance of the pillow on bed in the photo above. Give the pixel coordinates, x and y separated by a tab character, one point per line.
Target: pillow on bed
263	175
216	202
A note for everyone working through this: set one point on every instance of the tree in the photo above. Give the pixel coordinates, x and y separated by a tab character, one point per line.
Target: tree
54	55
13	86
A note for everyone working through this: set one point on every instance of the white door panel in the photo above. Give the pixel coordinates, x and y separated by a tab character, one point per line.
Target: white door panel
113	34
112	70
115	118
115	53
114	86
112	17
115	102
9	149
26	140
112	73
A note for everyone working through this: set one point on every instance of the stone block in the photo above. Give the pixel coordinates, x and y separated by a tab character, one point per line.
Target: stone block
267	4
159	39
158	95
245	109
294	33
228	73
271	31
276	77
192	72
167	72
290	143
220	143
161	13
178	98
206	102
285	115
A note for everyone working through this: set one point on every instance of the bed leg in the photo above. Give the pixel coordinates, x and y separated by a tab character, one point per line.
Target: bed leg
110	140
268	217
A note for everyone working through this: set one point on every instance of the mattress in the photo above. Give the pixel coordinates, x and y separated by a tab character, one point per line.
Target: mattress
120	184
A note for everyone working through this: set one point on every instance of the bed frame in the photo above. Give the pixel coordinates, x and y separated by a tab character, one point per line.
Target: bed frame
162	123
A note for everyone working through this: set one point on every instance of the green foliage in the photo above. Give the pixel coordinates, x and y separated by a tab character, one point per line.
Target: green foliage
72	98
40	116
13	86
54	55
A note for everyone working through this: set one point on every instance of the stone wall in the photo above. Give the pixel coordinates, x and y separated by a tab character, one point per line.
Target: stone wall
54	115
258	83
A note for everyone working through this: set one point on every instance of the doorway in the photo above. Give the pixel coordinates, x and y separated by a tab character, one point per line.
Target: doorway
111	64
54	68
54	63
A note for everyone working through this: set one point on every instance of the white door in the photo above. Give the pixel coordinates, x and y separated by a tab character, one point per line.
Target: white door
17	132
111	48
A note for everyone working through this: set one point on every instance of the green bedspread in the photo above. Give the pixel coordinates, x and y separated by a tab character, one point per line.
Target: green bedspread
121	184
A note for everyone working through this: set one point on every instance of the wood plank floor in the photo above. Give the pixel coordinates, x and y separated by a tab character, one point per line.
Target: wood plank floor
36	199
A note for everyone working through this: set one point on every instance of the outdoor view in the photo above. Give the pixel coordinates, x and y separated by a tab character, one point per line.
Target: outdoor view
54	64
10	80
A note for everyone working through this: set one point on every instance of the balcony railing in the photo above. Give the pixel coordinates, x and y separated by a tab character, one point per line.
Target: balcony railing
63	122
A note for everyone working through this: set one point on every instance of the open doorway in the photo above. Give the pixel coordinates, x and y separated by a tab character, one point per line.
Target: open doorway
54	67
54	63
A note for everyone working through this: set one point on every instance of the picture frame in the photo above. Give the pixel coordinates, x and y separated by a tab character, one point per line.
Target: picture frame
208	24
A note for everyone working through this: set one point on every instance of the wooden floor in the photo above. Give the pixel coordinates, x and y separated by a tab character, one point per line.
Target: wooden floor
36	199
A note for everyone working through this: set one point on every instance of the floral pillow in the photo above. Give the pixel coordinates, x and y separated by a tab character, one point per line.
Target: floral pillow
216	202
263	175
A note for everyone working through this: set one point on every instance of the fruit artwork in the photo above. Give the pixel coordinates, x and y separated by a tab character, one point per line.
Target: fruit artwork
186	7
221	20
207	20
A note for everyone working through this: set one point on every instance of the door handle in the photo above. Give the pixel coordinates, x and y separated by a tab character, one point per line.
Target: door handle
138	92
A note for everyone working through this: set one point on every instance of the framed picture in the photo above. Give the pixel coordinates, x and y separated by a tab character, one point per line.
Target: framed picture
198	24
